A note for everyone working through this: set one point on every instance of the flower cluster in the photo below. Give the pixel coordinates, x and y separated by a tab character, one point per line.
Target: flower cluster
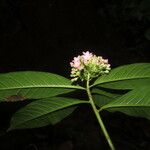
88	65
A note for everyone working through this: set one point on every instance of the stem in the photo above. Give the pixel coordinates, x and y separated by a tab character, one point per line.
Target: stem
98	116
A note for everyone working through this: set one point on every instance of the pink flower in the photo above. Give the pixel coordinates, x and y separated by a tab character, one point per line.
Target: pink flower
105	61
87	56
76	63
86	64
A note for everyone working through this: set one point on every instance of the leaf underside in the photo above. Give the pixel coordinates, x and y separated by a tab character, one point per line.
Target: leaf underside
43	112
33	85
102	97
126	77
135	103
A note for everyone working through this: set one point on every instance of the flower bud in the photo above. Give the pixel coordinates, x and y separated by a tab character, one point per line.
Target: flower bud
88	65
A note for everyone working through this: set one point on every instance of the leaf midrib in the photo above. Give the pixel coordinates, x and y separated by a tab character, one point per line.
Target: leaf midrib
43	86
103	108
116	80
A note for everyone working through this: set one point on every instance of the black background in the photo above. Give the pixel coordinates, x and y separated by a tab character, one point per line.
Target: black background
46	35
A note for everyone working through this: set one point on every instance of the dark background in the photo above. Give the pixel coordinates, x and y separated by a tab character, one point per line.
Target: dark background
46	35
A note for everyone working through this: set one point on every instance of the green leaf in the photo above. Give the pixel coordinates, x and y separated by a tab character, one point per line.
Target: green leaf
103	97
43	112
46	119
33	85
134	103
126	77
101	100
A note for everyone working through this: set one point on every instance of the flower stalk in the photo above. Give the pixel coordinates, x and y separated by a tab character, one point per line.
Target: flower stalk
97	114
